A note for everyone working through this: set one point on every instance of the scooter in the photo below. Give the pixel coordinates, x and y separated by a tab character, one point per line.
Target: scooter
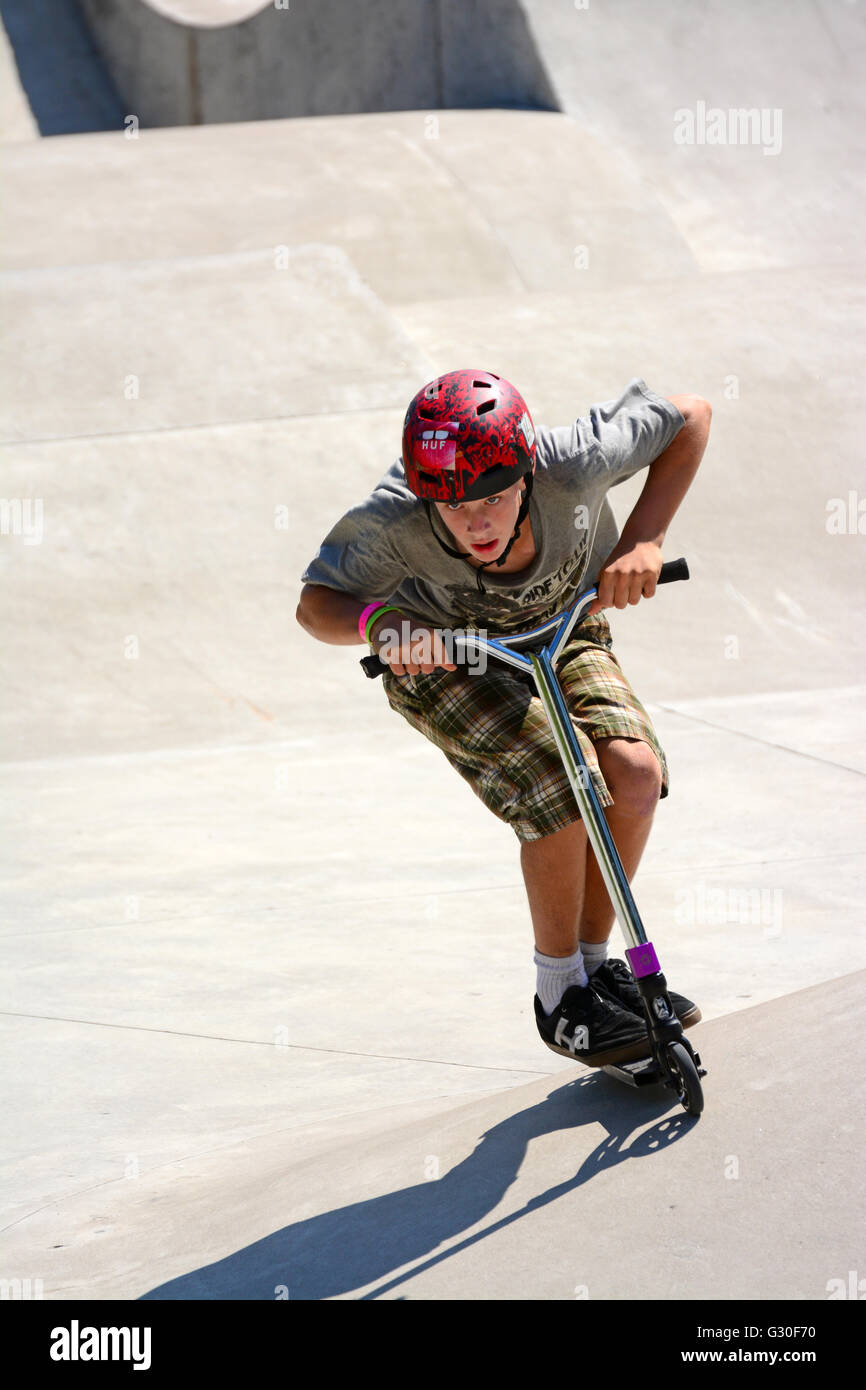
674	1062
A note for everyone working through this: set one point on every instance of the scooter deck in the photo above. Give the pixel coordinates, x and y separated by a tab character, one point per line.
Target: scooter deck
645	1072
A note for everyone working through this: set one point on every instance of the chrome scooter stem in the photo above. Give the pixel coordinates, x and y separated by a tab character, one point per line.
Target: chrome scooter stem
591	809
541	666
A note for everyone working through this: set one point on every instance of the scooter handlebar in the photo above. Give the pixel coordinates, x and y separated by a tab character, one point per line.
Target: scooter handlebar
671	571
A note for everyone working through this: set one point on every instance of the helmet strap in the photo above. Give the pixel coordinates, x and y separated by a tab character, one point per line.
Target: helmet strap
458	554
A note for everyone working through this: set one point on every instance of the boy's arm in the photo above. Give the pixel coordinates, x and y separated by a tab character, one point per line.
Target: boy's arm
632	568
328	614
332	616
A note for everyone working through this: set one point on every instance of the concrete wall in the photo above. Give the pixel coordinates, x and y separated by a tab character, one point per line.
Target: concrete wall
319	57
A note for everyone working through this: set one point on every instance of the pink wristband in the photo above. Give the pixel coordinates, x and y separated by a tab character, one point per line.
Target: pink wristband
362	621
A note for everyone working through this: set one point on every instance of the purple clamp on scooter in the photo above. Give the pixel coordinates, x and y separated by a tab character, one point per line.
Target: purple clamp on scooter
674	1062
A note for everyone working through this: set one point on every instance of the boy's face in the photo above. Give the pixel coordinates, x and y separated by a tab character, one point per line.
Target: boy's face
484	528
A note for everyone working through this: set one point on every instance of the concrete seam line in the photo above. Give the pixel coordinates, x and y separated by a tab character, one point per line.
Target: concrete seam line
768	743
293	1047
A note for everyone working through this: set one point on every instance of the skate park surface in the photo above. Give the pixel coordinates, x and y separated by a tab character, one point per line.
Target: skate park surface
267	997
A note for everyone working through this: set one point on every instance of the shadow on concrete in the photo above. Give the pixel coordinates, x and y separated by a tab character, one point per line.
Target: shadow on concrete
60	69
352	1246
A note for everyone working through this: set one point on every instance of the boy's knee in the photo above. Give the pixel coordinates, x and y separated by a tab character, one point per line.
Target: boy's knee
632	773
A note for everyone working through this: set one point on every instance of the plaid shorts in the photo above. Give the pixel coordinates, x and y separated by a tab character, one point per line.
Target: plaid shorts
493	729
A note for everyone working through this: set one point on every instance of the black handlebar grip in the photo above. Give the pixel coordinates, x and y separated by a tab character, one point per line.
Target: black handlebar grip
673	569
373	666
670	571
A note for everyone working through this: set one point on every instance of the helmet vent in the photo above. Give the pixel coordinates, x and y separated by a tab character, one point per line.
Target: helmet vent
481	383
484	407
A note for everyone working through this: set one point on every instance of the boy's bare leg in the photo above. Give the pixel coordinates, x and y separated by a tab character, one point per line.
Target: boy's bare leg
554	871
568	900
633	776
630	834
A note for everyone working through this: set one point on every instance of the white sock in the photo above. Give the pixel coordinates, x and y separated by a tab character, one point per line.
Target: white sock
594	954
556	974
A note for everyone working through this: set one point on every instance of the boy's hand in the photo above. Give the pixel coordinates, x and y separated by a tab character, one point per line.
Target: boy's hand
626	578
410	648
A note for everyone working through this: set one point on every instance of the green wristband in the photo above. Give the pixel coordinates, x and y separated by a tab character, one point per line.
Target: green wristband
374	618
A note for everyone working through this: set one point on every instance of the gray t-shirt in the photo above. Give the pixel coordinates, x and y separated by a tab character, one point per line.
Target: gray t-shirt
383	549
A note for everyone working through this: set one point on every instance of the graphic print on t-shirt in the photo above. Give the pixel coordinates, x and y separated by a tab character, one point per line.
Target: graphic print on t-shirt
523	608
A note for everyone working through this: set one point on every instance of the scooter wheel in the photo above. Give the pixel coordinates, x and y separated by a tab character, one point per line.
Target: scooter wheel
688	1082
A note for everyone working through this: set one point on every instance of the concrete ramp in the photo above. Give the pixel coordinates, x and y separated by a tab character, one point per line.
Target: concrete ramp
266	1006
561	1189
747	121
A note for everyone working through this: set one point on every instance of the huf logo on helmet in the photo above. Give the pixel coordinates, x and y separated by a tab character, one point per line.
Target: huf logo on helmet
434	440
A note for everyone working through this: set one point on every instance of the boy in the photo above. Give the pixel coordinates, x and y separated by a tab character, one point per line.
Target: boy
478	487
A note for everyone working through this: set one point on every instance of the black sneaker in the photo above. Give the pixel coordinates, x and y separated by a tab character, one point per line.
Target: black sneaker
616	980
592	1028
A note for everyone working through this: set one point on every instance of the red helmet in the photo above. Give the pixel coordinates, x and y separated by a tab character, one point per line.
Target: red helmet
466	435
